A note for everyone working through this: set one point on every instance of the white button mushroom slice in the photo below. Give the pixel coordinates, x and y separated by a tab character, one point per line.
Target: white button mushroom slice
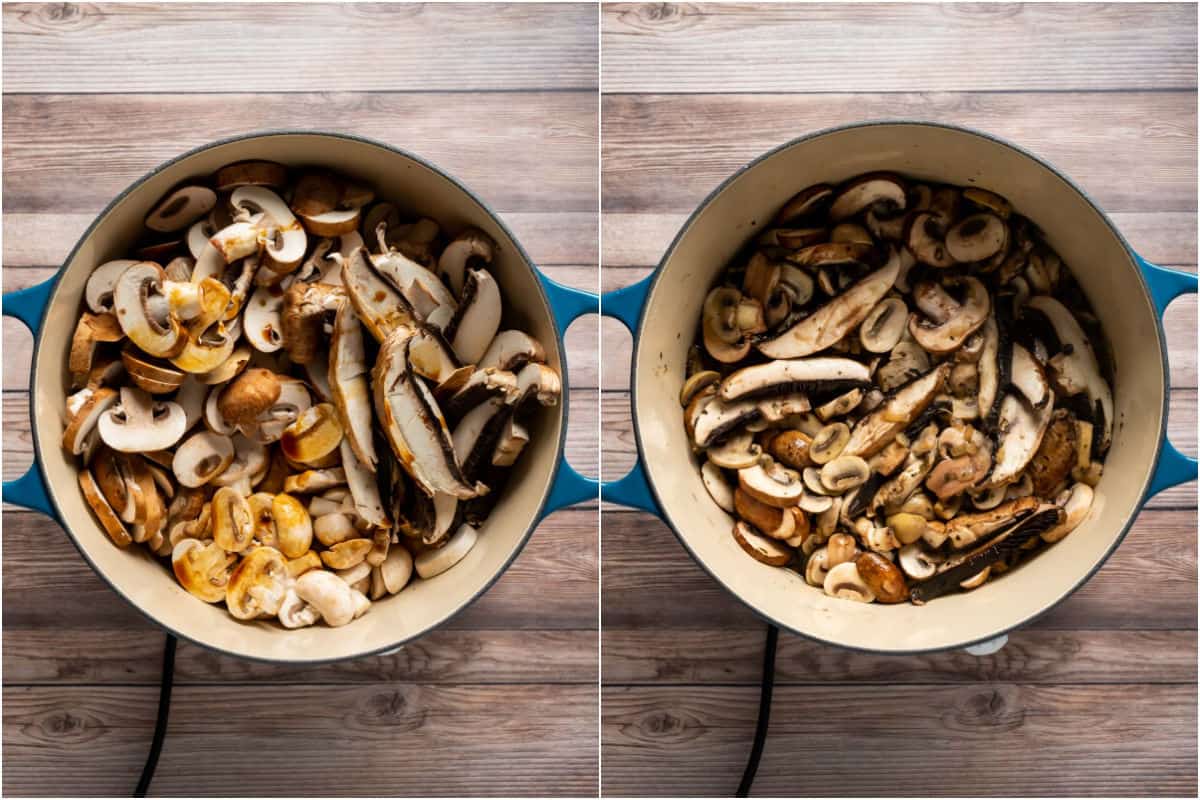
250	173
209	341
138	423
419	286
198	244
844	581
761	548
202	568
396	570
844	473
917	562
258	584
1077	363
839	406
82	426
511	350
804	374
381	307
235	241
232	522
434	562
1076	502
718	488
977	237
344	555
250	458
181	208
152	375
201	457
228	369
312	436
329	595
191	397
477	319
103	510
101	283
263	320
334	528
772	483
314	480
872	190
293	526
414	425
349	385
873	432
353	575
363	488
285	239
468	247
159	334
948	335
513	439
1019	433
295	613
736	451
1029	378
832	321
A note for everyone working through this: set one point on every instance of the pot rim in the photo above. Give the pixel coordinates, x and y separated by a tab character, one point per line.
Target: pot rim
537	516
1133	264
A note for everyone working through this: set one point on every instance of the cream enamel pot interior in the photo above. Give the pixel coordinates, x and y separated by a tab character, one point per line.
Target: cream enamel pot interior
1128	294
541	483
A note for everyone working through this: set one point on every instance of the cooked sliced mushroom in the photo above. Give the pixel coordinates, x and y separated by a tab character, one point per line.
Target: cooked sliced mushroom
1019	433
1029	378
737	451
718	418
780	376
873	190
874	431
883	578
836	318
804	203
845	582
772	484
968	317
1055	456
967	529
923	235
976	238
432	563
844	473
1076	502
414	424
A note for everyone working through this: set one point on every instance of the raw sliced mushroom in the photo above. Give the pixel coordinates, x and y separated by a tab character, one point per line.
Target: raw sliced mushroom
285	240
349	385
380	307
477	319
250	173
181	208
102	283
203	568
718	488
201	457
139	424
81	430
471	246
150	326
432	563
760	548
511	350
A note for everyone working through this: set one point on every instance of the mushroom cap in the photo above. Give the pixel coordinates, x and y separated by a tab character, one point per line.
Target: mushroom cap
327	593
202	568
844	581
258	584
772	484
249	395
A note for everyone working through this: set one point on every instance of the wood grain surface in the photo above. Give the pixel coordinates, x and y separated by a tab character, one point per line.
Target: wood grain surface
503	699
1097	697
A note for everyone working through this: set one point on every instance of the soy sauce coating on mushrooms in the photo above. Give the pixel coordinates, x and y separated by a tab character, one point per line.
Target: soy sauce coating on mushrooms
898	390
298	393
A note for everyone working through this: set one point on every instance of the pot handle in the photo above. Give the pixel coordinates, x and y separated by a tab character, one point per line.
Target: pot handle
1165	285
633	490
567	305
29	306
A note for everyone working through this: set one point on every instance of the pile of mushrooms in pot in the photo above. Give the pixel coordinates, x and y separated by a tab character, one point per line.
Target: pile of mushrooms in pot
229	413
898	390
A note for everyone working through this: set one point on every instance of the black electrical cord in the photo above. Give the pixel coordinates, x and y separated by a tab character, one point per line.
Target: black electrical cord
166	682
764	712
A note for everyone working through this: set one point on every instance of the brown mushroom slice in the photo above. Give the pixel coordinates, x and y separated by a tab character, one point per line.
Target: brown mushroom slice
511	443
882	577
263	320
717	418
414	425
201	457
363	488
776	523
844	582
349	385
233	524
250	173
138	423
1078	358
1006	544
305	308
159	334
202	568
151	375
804	203
873	432
81	429
181	208
1056	456
872	190
832	254
721	328
103	510
248	396
737	451
760	548
381	308
482	385
784	376
967	529
477	319
976	238
948	336
1076	502
511	350
90	332
1019	431
718	488
258	584
337	222
471	246
832	321
249	459
475	436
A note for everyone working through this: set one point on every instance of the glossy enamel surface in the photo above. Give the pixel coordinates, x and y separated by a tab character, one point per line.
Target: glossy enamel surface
413	185
1087	242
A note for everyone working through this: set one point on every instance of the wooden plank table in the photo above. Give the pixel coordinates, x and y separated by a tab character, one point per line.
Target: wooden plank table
501	701
1099	696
